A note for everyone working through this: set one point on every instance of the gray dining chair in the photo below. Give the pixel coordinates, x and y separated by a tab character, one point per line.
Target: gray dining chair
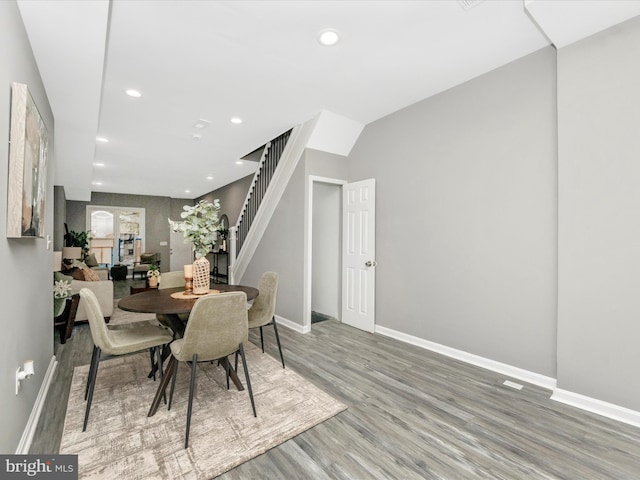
217	328
172	280
262	312
136	337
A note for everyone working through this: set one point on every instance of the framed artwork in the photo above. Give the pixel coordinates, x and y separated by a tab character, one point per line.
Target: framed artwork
27	167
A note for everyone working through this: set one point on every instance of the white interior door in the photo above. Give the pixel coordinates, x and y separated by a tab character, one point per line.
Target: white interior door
358	254
180	252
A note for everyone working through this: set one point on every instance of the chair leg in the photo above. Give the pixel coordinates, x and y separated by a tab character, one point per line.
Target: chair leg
194	364
93	373
158	352
275	328
227	366
173	381
152	354
246	376
93	357
261	340
236	366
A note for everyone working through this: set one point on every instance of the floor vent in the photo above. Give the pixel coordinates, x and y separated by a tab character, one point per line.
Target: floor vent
513	385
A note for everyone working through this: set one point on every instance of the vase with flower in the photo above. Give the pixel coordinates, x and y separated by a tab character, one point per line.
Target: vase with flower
153	275
199	227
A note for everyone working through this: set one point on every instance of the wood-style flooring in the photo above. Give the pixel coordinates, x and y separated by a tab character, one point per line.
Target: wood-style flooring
412	414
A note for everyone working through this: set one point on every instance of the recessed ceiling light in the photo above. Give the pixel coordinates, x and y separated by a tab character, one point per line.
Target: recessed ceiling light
210	177
102	139
238	162
196	136
133	93
98	164
329	37
97	183
236	120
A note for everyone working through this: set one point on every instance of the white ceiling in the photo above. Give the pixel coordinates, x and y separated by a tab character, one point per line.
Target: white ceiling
261	61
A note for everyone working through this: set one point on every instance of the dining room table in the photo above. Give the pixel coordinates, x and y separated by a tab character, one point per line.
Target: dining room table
171	302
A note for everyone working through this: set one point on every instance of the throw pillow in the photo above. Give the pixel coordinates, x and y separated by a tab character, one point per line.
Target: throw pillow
76	273
90	260
78	264
57	276
90	275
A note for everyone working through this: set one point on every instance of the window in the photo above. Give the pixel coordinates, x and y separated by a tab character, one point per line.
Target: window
116	233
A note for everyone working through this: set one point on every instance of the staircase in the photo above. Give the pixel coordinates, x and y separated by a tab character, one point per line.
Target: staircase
279	159
268	164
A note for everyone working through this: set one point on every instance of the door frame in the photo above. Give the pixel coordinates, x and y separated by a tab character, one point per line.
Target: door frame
308	246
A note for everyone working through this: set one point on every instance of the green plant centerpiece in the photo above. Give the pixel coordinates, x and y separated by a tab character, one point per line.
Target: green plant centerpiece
199	227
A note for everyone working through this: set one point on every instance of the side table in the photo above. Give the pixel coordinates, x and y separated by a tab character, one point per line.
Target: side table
64	321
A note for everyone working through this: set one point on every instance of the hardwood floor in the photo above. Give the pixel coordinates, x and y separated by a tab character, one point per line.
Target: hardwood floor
412	414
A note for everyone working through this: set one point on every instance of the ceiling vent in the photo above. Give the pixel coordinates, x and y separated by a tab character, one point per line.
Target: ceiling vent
469	4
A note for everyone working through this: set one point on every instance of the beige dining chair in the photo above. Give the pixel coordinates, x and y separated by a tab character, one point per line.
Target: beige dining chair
135	337
217	327
262	312
172	280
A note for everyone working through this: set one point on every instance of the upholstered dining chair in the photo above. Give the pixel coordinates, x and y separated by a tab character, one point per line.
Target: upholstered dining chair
217	327
136	337
262	312
172	280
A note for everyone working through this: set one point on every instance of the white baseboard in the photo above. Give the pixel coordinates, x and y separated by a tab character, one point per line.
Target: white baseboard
293	325
599	407
593	405
503	368
32	423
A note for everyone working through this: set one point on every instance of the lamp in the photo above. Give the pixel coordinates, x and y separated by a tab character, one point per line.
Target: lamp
72	252
57	261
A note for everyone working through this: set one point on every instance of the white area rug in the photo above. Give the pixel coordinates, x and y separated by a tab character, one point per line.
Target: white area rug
122	442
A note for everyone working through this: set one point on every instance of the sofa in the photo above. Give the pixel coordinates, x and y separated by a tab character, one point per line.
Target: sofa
103	290
80	276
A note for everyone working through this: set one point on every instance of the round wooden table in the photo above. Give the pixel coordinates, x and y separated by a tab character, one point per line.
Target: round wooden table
160	301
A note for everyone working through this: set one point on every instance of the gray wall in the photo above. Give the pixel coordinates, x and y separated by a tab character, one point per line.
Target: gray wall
281	249
26	295
466	215
59	217
599	250
157	212
231	197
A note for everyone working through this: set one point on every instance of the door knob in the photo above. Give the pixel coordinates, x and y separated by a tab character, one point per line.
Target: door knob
371	263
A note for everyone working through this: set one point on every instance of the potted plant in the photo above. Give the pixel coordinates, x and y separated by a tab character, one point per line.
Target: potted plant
78	239
153	275
200	227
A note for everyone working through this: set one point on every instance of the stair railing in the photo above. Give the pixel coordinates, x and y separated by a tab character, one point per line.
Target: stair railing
268	163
